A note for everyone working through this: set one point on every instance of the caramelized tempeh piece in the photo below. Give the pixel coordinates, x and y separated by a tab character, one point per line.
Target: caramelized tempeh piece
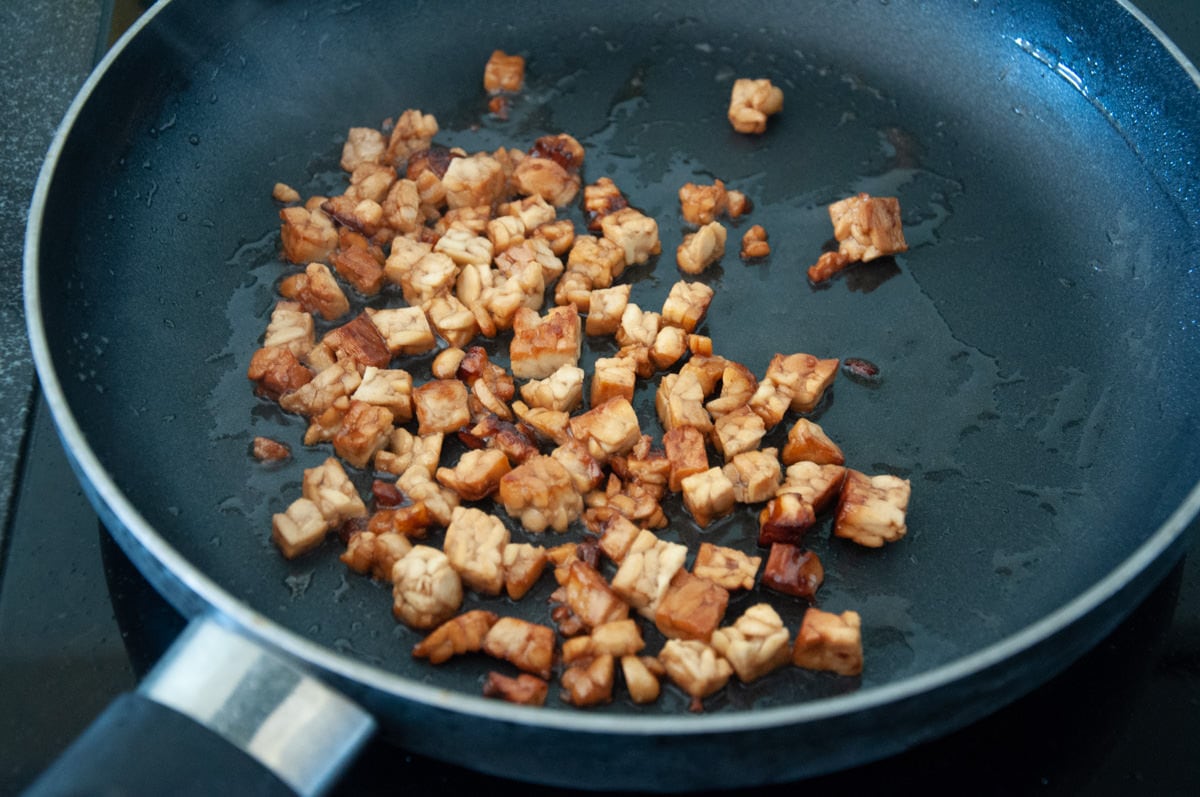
589	596
793	571
871	510
831	642
525	689
785	518
589	683
808	441
708	495
691	608
816	484
755	475
540	494
609	429
461	634
641	682
542	345
523	566
727	567
477	474
528	646
803	378
441	406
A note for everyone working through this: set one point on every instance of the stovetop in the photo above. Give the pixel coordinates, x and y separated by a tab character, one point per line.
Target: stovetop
78	625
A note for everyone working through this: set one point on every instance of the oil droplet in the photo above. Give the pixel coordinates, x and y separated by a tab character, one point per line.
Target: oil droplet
299	584
194	139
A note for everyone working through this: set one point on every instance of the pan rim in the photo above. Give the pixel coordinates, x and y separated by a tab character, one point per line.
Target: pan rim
133	530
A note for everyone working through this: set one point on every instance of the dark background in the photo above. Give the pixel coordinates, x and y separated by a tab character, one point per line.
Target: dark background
78	626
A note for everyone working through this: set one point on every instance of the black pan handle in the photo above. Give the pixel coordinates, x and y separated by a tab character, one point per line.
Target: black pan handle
219	715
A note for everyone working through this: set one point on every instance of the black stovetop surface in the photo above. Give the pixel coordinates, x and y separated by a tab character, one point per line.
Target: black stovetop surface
78	625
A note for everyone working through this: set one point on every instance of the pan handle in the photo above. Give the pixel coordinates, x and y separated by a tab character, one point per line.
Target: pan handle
218	715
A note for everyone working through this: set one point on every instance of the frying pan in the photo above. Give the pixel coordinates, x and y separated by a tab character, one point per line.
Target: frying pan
1037	344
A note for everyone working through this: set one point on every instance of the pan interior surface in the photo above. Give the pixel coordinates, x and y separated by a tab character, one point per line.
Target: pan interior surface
1036	344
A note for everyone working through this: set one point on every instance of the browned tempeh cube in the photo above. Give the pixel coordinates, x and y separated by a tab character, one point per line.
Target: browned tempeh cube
793	571
691	608
542	345
528	646
831	642
785	518
441	406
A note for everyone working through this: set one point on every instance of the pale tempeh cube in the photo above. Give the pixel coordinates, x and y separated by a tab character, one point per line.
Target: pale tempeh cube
871	510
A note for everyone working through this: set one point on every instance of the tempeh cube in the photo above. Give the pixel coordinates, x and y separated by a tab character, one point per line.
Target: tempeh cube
702	248
695	667
609	429
751	102
728	567
871	510
477	474
785	518
458	635
331	490
300	528
617	638
474	544
365	429
590	597
816	484
543	344
634	232
867	227
540	494
803	378
291	327
441	406
418	485
405	330
830	642
646	571
691	608
606	308
561	390
708	495
375	554
387	388
528	646
426	589
642	684
525	689
523	566
590	683
755	475
406	450
612	377
793	571
686	305
808	441
617	533
756	644
686	453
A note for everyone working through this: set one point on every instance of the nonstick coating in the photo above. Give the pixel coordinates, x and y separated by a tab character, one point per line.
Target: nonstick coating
1037	344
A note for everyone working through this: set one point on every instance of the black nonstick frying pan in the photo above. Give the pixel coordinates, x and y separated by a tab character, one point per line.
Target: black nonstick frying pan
1037	345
